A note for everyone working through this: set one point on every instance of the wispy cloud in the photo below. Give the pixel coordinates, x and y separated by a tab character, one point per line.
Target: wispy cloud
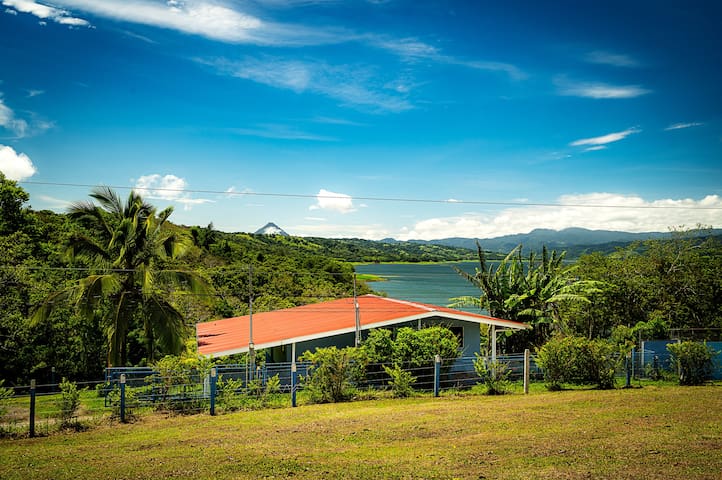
351	85
595	211
20	127
597	90
137	36
225	22
281	132
604	139
338	202
9	121
329	230
680	126
169	188
613	59
337	121
414	50
46	12
16	166
34	93
55	203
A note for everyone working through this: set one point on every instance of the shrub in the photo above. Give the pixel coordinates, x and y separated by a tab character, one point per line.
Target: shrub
494	375
229	393
577	360
5	393
379	345
693	361
401	381
418	348
69	403
333	372
177	383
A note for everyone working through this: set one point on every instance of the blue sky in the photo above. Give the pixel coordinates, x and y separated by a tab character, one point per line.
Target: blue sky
373	119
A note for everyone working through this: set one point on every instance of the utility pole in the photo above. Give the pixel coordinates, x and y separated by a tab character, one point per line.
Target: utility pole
251	350
356	311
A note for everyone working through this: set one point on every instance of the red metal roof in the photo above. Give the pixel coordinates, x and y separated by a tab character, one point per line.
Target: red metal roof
320	320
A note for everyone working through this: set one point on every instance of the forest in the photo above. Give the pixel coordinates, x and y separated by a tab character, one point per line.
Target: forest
113	281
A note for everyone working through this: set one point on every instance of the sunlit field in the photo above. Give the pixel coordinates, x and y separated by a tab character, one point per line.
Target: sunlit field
649	432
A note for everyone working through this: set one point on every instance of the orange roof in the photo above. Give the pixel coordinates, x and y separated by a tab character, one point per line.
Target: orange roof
320	320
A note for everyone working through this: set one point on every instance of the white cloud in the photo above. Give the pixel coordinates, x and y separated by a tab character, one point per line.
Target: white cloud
328	230
608	58
597	90
338	202
8	120
413	50
169	188
280	132
48	12
15	166
55	203
595	211
34	93
679	126
221	21
604	139
20	127
595	148
352	85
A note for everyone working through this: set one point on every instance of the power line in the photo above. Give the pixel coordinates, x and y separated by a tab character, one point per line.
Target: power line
494	203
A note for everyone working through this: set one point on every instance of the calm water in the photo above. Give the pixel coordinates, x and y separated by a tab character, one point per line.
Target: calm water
434	284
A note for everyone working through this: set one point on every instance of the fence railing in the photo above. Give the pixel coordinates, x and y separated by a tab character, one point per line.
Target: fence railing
38	409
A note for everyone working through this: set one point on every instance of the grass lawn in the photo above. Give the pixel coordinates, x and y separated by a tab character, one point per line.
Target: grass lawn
651	432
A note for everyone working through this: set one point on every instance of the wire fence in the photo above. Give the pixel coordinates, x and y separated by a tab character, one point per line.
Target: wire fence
126	393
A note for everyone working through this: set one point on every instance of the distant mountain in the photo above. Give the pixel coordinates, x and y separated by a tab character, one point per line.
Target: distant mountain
575	241
271	229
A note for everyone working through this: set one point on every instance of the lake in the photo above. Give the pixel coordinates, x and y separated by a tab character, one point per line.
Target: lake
425	283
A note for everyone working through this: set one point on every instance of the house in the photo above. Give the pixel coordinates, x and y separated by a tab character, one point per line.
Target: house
289	332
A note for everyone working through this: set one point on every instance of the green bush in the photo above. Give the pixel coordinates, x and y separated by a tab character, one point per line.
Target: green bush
417	348
401	381
494	375
577	360
178	382
693	361
69	403
379	345
333	372
5	393
231	395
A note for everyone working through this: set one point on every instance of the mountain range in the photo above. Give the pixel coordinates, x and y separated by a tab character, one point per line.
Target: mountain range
575	241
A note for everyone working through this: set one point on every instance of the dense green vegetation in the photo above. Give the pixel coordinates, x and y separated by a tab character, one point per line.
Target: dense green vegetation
114	282
93	277
647	290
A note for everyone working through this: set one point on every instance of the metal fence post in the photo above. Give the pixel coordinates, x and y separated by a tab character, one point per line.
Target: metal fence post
214	379
526	371
122	398
628	370
437	374
32	408
294	380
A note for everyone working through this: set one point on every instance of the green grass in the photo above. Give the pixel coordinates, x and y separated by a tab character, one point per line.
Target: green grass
650	432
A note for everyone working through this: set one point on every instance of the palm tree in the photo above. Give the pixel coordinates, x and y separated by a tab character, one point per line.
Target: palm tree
128	289
530	294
